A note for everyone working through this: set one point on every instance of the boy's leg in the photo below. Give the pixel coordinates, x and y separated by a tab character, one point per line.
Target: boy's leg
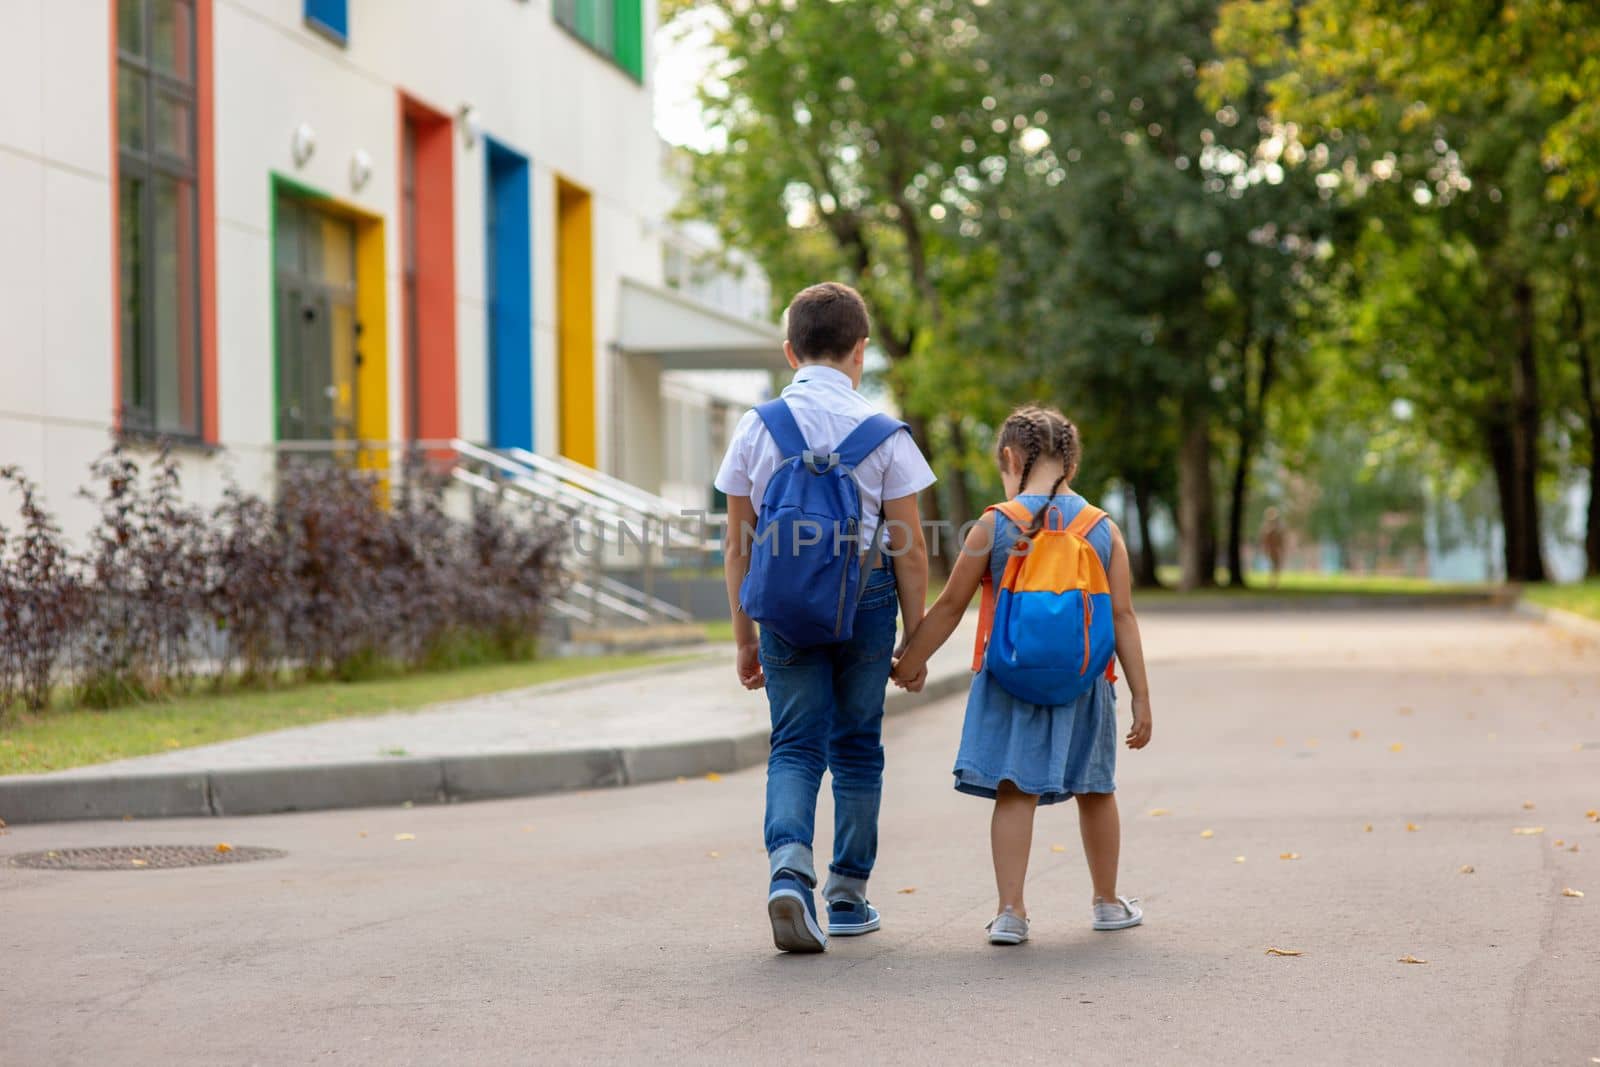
1010	840
855	741
800	695
1101	829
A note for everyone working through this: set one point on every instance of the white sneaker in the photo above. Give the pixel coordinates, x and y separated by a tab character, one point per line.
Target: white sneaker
1008	928
1117	914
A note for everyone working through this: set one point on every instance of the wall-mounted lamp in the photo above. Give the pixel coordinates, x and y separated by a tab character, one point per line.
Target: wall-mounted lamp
471	125
360	170
304	144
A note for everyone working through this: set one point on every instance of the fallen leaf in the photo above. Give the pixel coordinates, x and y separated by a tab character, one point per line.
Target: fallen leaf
1206	833
1312	742
713	776
1572	848
1559	842
1058	848
1528	831
1592	815
1288	855
527	829
405	837
140	863
1406	711
1284	952
173	742
1571	892
1238	859
1494	737
2	824
1412	827
714	855
1408	958
908	890
1355	735
223	846
408	805
361	833
681	779
1527	805
1159	811
1279	742
1467	868
1396	747
1369	828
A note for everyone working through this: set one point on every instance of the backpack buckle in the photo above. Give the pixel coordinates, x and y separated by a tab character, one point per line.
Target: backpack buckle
811	459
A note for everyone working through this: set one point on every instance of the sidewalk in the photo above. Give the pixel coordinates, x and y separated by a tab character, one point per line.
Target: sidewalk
683	719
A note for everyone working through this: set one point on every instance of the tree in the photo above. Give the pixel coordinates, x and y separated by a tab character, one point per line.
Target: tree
1459	129
854	145
1157	246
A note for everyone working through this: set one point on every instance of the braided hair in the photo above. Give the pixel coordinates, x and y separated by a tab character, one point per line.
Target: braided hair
1040	432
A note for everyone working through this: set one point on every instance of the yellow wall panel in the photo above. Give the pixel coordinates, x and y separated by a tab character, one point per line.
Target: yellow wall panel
575	322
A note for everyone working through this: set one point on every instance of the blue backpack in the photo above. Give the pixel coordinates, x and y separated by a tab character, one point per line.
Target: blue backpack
805	562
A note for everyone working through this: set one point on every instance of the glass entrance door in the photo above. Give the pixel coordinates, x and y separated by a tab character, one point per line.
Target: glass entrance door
317	328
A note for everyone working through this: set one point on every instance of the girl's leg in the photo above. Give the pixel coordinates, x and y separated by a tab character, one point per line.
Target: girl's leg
1101	829
1010	838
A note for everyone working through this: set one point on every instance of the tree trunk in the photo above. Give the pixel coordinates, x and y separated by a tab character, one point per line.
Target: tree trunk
1528	563
1197	533
1144	563
1591	406
960	491
1249	438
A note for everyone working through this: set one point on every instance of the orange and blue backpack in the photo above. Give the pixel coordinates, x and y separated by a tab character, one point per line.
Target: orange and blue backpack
1046	633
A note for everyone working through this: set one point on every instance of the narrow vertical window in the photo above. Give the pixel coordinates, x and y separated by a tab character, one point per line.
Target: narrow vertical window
158	218
331	18
614	28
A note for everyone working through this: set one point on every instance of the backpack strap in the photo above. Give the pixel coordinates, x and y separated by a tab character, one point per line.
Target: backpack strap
779	420
1019	514
1085	521
862	441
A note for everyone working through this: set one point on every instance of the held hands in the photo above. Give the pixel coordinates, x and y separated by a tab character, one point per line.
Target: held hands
1139	734
747	663
908	674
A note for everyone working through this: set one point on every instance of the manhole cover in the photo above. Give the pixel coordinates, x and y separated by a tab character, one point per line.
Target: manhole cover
141	857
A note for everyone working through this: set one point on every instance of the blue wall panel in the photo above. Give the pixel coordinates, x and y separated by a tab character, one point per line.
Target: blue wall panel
510	284
332	17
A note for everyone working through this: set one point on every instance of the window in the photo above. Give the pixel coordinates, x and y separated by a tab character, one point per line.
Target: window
614	28
331	18
158	219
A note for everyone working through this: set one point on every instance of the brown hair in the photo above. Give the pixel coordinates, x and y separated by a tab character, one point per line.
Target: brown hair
1040	432
826	321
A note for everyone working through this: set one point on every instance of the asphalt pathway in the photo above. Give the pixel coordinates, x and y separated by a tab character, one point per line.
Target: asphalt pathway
1386	751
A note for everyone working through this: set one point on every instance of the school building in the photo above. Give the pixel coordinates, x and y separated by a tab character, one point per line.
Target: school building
253	226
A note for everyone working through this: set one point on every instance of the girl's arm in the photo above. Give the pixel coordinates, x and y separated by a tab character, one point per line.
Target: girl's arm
1130	650
945	615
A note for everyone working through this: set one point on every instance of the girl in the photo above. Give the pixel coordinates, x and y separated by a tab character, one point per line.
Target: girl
1022	755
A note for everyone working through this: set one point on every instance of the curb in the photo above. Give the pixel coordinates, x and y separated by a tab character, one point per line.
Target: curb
423	780
1565	620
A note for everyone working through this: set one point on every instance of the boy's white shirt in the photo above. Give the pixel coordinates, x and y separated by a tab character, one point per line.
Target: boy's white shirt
826	407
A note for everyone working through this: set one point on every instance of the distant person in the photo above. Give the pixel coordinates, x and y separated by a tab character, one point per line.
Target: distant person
836	541
1041	716
1274	540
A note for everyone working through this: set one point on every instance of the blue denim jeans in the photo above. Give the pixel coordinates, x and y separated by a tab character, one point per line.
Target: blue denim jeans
827	714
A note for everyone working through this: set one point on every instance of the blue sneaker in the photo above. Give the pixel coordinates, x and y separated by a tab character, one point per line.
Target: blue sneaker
792	907
847	918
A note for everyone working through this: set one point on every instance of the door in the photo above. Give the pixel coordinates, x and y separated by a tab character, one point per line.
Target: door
510	292
317	327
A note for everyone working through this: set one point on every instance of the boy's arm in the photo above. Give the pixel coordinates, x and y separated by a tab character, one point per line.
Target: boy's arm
735	565
1130	649
903	519
945	615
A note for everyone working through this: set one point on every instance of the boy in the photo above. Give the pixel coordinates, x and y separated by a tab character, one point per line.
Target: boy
827	700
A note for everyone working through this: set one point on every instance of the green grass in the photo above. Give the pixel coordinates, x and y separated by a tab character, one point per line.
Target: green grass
1582	598
64	738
